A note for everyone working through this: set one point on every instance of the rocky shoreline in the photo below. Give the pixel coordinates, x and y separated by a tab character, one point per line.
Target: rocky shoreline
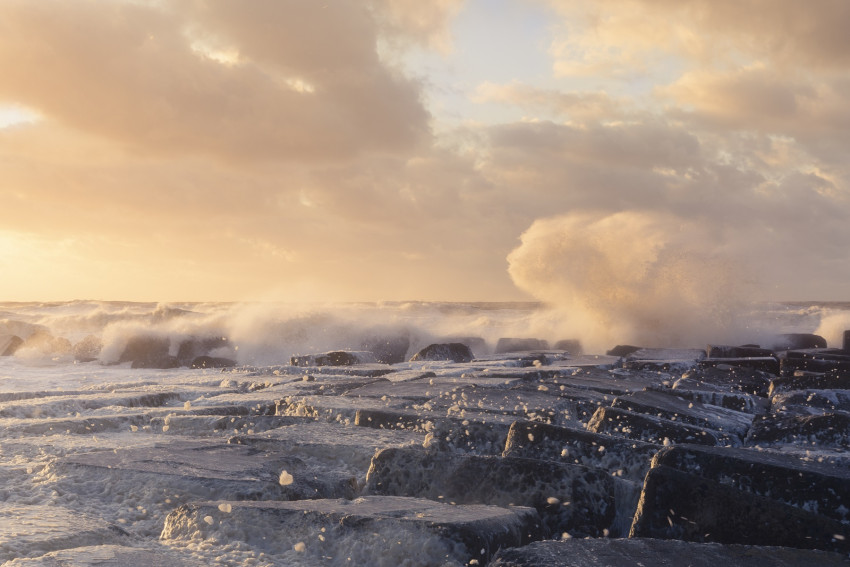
519	457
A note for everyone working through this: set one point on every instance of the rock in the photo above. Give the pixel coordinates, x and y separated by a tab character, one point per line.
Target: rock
569	498
626	458
826	430
46	344
9	344
195	347
27	531
764	363
357	529
746	403
619	422
791	341
663	359
111	556
679	505
148	352
390	349
520	345
212	362
623	350
88	349
450	352
572	346
668	406
747	351
477	345
811	401
805	484
334	358
658	552
810	381
204	470
727	378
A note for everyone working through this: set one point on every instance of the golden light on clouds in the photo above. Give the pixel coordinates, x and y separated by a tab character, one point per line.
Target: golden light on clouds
375	150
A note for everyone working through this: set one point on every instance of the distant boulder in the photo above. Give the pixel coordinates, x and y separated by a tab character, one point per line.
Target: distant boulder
477	345
9	344
333	358
520	345
794	341
88	349
148	352
389	349
622	350
212	362
43	342
452	352
572	346
194	347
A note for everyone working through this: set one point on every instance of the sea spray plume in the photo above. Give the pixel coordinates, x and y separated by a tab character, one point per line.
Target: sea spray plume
637	277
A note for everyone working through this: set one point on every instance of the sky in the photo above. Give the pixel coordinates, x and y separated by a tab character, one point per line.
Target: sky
457	150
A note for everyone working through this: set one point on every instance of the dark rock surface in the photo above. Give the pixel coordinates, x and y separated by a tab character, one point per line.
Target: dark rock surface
507	344
658	553
334	358
9	344
459	533
452	352
569	498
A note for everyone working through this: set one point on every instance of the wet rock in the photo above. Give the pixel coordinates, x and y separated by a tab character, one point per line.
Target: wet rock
88	349
569	498
334	358
626	458
572	346
111	556
212	362
27	531
658	552
619	422
764	363
746	351
790	341
726	378
678	505
209	470
668	405
353	529
662	359
389	349
811	401
825	430
746	403
520	345
148	352
9	344
623	350
810	381
196	347
803	483
453	352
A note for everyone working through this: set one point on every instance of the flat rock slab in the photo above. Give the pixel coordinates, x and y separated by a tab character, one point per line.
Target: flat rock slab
806	484
109	556
805	379
632	425
569	498
811	401
625	458
658	553
679	505
31	531
334	445
668	405
62	406
727	378
825	430
373	530
746	403
215	469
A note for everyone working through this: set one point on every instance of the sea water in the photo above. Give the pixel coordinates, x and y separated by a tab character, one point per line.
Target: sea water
63	386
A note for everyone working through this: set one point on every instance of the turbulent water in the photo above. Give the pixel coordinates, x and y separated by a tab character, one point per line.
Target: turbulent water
66	391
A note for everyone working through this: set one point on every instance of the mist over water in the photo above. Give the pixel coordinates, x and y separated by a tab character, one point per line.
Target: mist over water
639	278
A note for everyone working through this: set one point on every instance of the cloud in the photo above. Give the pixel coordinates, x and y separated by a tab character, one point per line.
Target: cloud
307	82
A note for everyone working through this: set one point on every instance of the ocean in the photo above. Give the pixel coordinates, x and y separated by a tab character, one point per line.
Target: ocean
69	392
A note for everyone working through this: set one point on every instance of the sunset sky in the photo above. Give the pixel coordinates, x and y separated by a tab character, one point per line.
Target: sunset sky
168	150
